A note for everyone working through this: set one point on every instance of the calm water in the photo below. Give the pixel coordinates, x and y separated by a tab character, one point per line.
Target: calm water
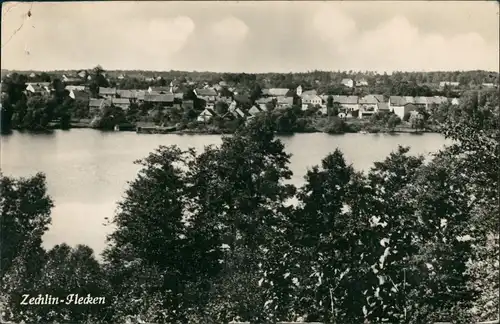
87	170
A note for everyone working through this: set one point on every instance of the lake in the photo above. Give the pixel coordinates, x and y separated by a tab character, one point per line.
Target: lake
87	170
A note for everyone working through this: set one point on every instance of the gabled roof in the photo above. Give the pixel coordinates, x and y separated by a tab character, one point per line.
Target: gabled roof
398	101
371	99
285	101
160	89
345	100
210	111
309	93
120	101
168	97
207	92
107	91
311	97
96	102
278	92
127	93
75	87
82	95
264	100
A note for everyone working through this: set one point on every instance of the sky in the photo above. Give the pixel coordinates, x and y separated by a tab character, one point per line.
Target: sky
252	37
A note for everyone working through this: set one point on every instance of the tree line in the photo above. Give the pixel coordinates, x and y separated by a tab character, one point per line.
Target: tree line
211	236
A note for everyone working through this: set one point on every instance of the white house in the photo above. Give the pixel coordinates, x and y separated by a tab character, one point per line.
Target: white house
206	115
401	105
311	100
38	88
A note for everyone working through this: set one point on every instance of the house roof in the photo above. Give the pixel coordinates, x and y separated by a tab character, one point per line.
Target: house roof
312	97
264	100
309	93
127	93
346	80
242	99
178	95
371	99
285	100
160	89
120	101
96	102
168	97
80	94
276	92
107	91
209	110
75	87
399	101
208	92
346	99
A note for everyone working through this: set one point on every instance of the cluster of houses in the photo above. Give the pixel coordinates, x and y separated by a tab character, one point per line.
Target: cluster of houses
241	106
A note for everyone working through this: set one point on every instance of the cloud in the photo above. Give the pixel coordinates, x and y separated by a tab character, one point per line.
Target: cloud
332	25
397	44
230	29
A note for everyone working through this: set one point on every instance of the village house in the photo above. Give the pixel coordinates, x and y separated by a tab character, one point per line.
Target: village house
206	115
401	105
347	83
369	105
74	87
311	101
165	100
123	103
265	103
96	106
40	88
255	110
455	101
309	93
79	95
121	77
284	102
208	95
107	93
82	74
239	113
275	92
160	90
348	103
489	85
71	79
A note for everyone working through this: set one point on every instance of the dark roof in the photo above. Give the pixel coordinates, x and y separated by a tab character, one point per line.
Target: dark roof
107	91
242	99
371	99
96	102
168	97
205	92
81	95
160	89
120	101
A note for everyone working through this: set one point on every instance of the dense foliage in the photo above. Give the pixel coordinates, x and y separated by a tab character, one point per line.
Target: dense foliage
213	236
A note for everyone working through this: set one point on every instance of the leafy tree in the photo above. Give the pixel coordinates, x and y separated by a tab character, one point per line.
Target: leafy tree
97	80
393	121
